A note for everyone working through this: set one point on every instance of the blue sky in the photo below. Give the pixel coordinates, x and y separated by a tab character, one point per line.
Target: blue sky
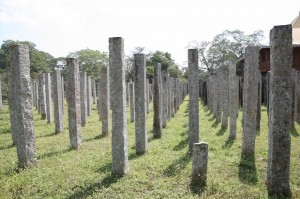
63	26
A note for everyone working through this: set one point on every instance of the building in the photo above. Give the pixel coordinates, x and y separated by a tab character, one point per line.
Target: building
296	30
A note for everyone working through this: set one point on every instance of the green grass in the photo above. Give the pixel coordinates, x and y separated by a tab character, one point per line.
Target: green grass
163	172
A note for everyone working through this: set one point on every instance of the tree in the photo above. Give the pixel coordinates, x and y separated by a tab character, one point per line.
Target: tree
227	46
91	61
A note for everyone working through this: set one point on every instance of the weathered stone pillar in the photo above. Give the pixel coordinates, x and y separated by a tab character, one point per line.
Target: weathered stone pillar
281	59
297	97
170	88
157	102
57	98
147	95
193	97
1	105
127	94
224	99
150	92
48	98
218	90
199	164
89	95
63	94
83	98
250	97
36	94
42	95
132	102
20	105
104	103
73	99
94	92
233	99
118	101
140	103
164	97
172	96
258	114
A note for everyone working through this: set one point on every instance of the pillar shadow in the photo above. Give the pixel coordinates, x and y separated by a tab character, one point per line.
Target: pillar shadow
228	144
48	135
98	137
221	131
215	124
53	153
181	145
197	189
211	119
85	192
294	132
105	168
247	170
178	165
5	131
6	147
133	156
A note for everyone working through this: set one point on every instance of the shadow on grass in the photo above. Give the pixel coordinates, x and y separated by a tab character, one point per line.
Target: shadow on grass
5	130
178	165
6	147
197	189
228	144
48	135
294	132
221	131
98	137
53	153
181	145
133	156
185	125
215	124
84	192
105	168
247	170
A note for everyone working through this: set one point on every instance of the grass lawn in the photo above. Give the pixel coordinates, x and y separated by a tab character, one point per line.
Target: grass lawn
163	172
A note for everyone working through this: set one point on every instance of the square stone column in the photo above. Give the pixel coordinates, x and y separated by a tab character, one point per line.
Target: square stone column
83	98
20	105
57	99
157	102
42	96
48	98
73	99
120	165
104	104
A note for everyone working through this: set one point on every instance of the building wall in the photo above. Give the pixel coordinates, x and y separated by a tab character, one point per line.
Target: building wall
296	35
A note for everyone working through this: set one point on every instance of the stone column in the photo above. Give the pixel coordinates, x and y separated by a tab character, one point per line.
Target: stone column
233	99
193	97
127	94
20	105
73	99
164	97
57	98
224	100
83	98
89	95
63	94
250	98
132	102
104	103
36	95
147	95
94	92
157	102
48	98
297	98
1	105
281	60
199	164
99	96
140	103
42	95
172	96
120	165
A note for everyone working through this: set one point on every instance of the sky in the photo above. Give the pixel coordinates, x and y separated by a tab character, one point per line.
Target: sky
62	26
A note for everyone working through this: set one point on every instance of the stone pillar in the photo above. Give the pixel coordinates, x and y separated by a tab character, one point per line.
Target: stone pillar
132	102
172	96
193	97
20	105
164	93
170	89
63	94
281	60
199	164
1	105
218	86
147	95
157	102
259	88
297	97
36	94
150	92
120	165
233	99
94	92
104	103
89	95
73	99
140	103
99	96
127	94
48	98
250	98
83	98
42	95
57	99
224	99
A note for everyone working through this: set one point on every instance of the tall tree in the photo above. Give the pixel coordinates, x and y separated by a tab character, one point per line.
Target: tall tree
91	61
227	46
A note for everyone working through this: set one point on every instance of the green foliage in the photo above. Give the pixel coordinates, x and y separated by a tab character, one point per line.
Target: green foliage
91	61
164	58
227	46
